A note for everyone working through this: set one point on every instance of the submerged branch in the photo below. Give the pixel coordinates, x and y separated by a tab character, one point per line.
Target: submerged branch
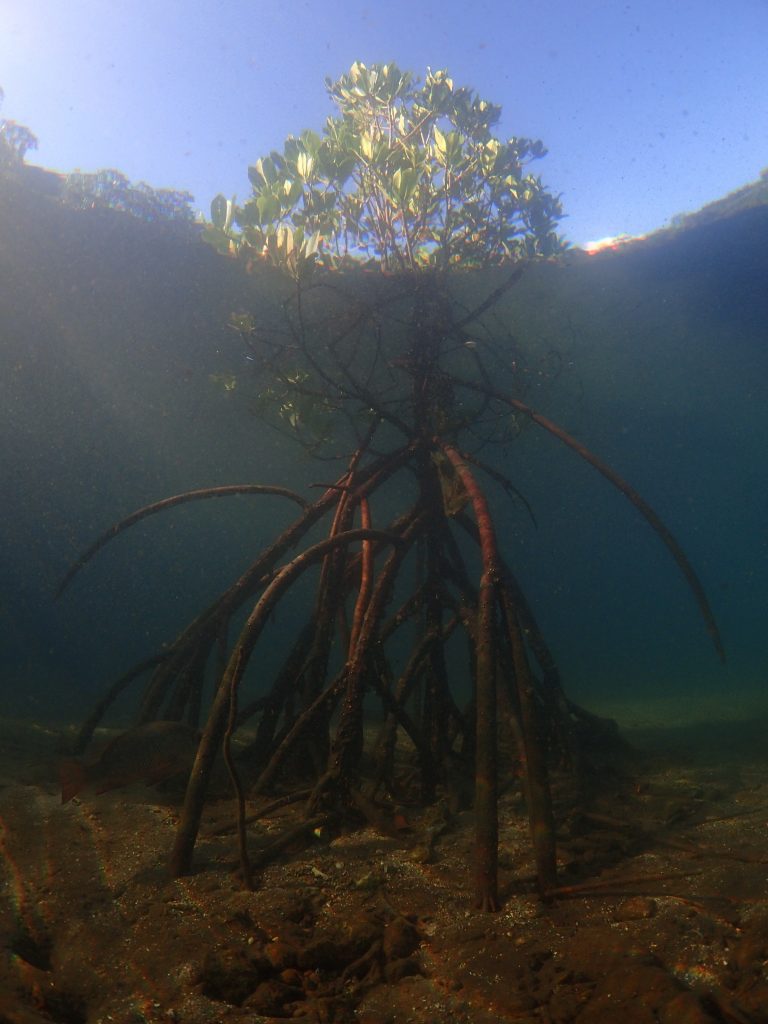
161	506
493	298
486	763
189	822
630	493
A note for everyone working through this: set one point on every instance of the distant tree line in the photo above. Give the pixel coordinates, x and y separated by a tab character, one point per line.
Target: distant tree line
15	141
110	189
105	189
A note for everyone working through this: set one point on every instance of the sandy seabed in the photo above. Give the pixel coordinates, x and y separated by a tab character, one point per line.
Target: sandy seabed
662	917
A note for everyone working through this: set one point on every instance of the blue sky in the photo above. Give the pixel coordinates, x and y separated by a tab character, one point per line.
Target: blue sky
648	108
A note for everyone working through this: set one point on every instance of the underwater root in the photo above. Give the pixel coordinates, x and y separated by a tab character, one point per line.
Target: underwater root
346	654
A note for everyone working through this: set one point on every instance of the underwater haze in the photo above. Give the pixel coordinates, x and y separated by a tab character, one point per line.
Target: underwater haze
115	361
122	381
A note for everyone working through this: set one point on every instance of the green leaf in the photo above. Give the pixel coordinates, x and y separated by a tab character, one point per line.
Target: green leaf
311	141
284	237
439	140
305	164
219	239
404	182
221	212
269	207
292	191
311	245
266	170
366	147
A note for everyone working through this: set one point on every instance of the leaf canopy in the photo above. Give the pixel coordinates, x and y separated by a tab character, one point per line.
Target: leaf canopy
405	175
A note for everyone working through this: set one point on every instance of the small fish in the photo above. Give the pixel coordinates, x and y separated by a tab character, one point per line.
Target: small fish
149	753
